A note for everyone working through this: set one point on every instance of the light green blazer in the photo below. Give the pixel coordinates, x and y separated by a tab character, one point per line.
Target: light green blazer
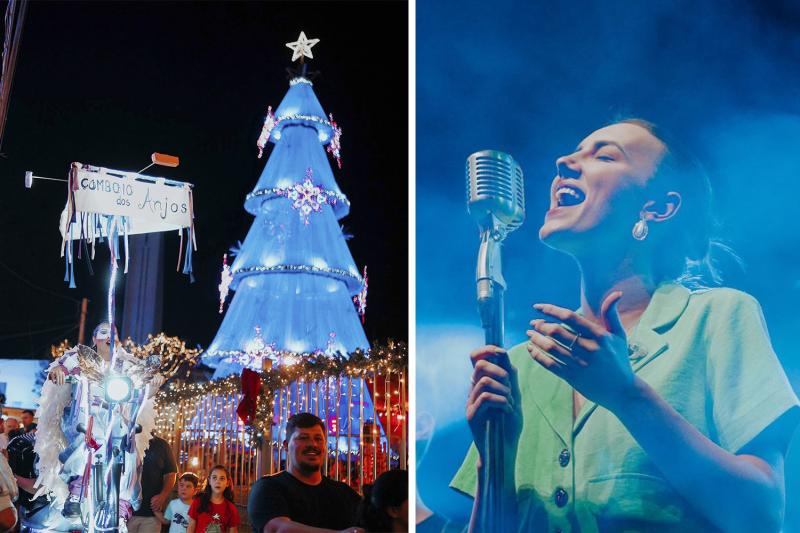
707	353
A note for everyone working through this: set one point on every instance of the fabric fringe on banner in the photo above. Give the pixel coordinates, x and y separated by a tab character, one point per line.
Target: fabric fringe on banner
84	229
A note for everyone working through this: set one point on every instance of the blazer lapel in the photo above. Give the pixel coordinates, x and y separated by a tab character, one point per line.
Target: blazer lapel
553	398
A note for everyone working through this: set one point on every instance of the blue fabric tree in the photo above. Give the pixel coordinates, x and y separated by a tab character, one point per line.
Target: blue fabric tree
294	276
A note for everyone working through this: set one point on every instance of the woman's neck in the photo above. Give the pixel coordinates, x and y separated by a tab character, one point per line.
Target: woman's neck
599	279
217	497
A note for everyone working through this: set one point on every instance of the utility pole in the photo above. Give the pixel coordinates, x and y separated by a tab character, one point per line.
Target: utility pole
14	19
82	324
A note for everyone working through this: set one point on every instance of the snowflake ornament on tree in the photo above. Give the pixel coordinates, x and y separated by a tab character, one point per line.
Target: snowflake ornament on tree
308	198
256	351
335	146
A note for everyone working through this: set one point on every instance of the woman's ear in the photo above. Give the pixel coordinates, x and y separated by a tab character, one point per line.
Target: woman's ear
665	209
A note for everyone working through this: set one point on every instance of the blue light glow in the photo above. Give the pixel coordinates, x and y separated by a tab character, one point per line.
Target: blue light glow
533	79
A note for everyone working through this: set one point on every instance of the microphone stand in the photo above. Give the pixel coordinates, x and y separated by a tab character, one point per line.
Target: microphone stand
493	514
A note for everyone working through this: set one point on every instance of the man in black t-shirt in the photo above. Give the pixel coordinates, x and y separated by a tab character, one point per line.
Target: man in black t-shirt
301	496
159	472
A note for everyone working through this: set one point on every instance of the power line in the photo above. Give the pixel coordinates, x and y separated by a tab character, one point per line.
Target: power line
46	347
15	324
35	332
37	287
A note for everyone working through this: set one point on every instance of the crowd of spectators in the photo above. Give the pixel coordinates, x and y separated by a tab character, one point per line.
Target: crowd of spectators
298	499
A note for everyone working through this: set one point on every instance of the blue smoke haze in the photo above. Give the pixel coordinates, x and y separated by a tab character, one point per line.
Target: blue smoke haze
532	79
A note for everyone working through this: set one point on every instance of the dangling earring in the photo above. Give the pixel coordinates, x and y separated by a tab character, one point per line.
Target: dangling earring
640	229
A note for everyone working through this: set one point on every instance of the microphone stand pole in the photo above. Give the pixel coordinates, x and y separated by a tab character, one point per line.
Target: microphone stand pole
493	514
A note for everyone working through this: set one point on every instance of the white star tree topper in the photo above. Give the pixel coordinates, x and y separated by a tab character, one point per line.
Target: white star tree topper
302	47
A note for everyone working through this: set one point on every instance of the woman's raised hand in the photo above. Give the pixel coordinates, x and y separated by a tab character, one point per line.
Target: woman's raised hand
591	357
494	393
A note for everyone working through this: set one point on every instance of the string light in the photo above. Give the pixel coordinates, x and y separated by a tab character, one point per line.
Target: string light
201	415
271	123
310	367
353	280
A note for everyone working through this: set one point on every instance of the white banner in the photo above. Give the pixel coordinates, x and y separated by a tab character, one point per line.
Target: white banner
149	204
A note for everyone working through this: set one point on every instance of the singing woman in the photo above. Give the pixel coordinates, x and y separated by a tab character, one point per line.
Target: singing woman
656	406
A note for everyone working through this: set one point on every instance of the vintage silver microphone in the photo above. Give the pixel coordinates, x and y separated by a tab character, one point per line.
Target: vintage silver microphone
496	200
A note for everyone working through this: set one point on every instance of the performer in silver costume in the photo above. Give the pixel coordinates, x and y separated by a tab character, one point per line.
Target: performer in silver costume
74	431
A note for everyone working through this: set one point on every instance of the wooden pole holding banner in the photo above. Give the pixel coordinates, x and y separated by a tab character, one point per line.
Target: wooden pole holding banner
82	323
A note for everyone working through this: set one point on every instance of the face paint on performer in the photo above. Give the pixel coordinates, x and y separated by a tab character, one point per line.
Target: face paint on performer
102	340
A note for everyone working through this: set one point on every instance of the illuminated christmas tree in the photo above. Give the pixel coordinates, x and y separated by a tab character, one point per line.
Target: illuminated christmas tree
298	290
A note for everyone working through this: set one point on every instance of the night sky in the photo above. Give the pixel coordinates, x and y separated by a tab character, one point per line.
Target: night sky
109	83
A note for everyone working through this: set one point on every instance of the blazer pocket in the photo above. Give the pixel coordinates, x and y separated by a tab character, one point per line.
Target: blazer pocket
633	497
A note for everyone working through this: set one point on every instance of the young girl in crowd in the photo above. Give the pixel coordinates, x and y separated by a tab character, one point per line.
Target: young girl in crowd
213	511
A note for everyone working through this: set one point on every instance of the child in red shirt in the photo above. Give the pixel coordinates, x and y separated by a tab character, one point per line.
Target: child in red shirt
213	511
